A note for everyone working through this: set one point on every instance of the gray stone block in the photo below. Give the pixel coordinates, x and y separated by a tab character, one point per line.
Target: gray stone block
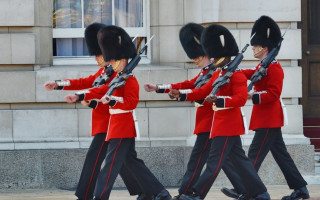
8	13
5	48
249	11
84	122
46	125
43	43
23	48
155	47
20	87
170	15
43	13
170	47
169	122
154	13
6	126
292	83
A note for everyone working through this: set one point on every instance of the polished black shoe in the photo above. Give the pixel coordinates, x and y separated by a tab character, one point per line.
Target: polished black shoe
301	193
163	195
190	197
263	196
230	193
144	197
176	197
241	197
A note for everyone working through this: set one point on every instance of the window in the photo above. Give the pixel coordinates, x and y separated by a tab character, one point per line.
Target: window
71	17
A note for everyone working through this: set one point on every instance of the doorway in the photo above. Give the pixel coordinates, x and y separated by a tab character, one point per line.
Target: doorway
310	63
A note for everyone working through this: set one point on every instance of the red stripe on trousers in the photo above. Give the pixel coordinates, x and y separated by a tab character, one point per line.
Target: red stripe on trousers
95	165
114	156
215	173
194	173
264	140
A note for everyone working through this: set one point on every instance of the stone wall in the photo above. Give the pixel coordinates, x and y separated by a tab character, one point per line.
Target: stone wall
38	128
61	168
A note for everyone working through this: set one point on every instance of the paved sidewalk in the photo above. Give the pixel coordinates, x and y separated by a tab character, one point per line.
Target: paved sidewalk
276	192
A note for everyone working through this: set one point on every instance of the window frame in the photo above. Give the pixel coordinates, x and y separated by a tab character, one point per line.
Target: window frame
143	31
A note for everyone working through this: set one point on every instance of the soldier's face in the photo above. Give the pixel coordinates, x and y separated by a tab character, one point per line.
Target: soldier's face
197	61
259	51
100	61
118	65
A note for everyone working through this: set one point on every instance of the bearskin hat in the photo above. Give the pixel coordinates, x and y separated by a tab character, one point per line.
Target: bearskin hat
90	35
267	31
217	42
190	37
116	44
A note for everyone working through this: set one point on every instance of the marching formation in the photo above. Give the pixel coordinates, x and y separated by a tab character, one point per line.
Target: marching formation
219	91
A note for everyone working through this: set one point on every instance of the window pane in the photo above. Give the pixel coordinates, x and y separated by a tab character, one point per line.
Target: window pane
70	47
67	14
97	11
128	13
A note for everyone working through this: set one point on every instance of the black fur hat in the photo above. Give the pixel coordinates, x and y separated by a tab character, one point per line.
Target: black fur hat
267	31
115	43
217	42
190	37
90	35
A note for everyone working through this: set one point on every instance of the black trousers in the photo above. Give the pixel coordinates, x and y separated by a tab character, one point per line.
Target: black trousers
91	168
270	139
196	162
198	159
221	148
121	152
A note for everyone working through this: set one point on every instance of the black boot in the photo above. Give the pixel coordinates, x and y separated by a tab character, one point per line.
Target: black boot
163	195
190	197
242	197
230	193
301	193
144	197
263	196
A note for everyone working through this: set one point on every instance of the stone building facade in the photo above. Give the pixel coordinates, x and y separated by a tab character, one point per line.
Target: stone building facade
43	140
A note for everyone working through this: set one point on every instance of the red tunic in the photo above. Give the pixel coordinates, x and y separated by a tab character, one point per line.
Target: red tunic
100	115
120	125
268	112
227	120
204	113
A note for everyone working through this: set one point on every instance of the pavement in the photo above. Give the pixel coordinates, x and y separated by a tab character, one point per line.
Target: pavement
276	192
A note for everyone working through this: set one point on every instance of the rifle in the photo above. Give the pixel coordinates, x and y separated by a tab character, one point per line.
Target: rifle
203	79
230	68
102	79
257	76
125	73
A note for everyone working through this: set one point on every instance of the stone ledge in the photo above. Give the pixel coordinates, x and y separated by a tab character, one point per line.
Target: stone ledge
61	168
84	142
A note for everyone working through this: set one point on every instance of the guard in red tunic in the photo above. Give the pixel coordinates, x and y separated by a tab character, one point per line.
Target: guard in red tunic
267	114
100	118
190	36
227	123
117	48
